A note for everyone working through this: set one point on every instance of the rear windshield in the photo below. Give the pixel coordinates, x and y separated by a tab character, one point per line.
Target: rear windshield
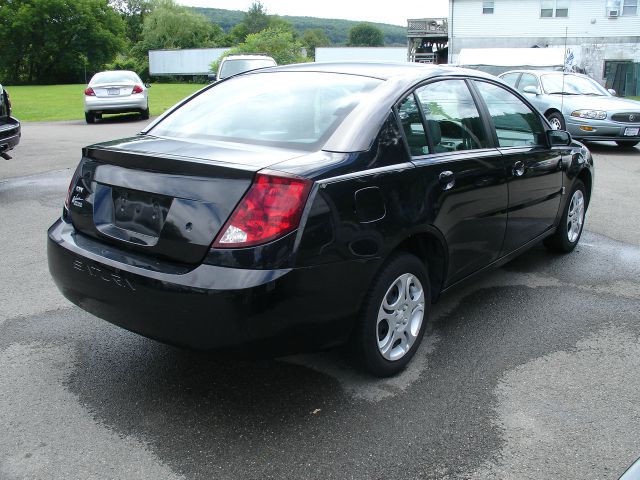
114	77
233	67
282	109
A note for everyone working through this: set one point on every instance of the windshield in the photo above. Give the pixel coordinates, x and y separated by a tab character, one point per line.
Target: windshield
287	109
114	77
233	67
573	85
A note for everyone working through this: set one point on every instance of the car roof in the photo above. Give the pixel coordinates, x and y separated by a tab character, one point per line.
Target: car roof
382	70
238	56
544	72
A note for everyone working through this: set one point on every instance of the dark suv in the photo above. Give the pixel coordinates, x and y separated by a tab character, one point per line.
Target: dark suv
314	204
9	126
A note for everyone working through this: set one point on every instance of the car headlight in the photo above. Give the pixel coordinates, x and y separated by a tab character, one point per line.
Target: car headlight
595	114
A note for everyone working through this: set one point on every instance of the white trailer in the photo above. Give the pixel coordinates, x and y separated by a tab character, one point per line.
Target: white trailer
192	61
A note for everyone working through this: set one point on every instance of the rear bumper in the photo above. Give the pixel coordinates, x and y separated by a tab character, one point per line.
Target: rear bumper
115	105
10	133
208	306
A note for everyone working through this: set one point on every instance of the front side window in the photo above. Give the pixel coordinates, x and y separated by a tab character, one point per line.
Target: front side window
554	8
451	116
281	109
487	7
527	80
515	123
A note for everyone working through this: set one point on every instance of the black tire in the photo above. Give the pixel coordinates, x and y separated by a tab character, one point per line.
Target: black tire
627	143
556	120
562	240
90	117
366	339
144	114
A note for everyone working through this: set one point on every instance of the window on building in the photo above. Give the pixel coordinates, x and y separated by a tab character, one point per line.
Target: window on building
487	7
554	8
623	7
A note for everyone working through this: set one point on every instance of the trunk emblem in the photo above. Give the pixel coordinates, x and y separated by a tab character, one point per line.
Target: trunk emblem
106	277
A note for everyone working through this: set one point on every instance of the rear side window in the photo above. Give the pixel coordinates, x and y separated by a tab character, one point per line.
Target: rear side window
510	79
451	116
516	124
412	125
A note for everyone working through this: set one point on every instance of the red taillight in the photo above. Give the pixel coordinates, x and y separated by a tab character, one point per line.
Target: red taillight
137	89
271	208
89	92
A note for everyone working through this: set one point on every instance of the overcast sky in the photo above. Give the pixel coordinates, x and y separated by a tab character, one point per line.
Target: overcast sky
395	12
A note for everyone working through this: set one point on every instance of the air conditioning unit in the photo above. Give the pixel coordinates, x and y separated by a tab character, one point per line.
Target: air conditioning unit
613	13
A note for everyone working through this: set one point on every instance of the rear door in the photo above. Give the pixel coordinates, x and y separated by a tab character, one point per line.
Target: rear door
461	174
534	170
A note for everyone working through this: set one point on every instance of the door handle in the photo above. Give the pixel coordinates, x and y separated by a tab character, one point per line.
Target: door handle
447	180
518	168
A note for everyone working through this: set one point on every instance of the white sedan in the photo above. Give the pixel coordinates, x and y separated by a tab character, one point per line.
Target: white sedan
115	91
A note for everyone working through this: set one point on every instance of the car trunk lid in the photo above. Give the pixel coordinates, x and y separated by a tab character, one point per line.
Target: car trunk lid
164	197
118	89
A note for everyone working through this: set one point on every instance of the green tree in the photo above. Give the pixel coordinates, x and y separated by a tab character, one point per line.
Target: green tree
172	26
277	43
54	41
314	38
133	13
365	35
256	18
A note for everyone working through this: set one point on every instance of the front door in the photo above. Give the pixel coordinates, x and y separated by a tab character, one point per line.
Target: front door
534	170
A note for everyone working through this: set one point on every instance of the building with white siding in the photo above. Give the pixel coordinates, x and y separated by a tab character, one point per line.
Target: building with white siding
601	36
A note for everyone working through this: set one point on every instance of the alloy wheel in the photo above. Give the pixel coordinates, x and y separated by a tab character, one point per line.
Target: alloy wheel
400	317
575	216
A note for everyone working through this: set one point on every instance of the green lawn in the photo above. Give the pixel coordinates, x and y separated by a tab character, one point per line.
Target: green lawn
65	102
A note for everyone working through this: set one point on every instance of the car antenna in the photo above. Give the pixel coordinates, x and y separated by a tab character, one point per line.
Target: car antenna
564	67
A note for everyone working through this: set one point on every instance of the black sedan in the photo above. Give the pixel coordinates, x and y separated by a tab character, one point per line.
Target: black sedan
9	126
311	205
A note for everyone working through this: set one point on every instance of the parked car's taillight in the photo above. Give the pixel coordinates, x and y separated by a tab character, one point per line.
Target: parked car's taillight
137	89
89	92
271	208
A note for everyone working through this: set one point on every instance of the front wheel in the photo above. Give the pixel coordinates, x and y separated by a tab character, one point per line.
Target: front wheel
627	143
568	233
556	120
394	316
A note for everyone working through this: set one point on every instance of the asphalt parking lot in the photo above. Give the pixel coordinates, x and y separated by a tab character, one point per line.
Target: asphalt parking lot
531	373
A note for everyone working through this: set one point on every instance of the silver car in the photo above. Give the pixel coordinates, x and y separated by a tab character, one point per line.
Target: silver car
580	105
115	91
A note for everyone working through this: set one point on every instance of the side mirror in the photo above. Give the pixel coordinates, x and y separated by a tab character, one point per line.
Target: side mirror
147	85
612	92
559	137
531	89
212	77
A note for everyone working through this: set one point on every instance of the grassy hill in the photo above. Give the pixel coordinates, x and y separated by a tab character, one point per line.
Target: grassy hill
337	30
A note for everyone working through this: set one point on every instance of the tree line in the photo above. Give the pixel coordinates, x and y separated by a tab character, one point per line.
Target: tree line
66	41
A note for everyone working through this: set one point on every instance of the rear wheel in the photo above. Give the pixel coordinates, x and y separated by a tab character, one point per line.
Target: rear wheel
90	117
627	143
394	316
556	120
569	231
144	114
